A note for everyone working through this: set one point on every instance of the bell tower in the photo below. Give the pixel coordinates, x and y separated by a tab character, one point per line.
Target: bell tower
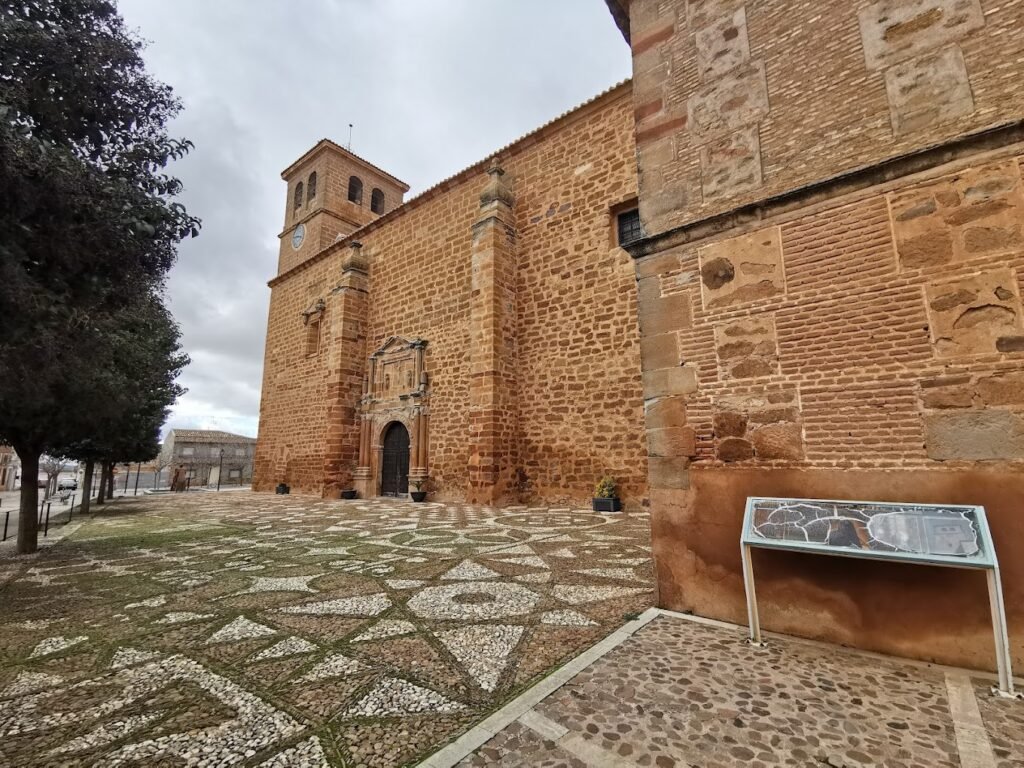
331	193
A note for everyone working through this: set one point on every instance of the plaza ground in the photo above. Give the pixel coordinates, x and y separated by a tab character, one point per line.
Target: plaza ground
248	629
217	629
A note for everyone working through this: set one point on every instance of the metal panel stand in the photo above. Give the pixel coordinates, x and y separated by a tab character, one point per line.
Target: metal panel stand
748	585
995	599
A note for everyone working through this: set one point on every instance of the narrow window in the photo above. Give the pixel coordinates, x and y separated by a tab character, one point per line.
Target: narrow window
377	201
628	227
298	196
311	187
355	190
312	337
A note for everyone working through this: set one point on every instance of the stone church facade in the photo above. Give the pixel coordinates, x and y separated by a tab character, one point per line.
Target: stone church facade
824	301
487	327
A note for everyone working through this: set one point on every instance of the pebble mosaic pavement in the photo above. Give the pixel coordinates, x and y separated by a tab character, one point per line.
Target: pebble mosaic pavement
679	693
256	630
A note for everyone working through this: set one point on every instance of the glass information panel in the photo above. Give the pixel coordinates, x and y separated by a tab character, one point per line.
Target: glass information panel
940	534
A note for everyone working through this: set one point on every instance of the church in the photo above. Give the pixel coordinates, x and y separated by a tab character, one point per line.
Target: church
785	259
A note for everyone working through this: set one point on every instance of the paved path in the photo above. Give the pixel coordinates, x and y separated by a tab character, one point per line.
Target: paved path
679	691
257	630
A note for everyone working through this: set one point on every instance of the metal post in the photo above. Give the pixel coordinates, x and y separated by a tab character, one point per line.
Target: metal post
72	508
1002	640
138	469
748	585
127	477
46	527
220	468
7	519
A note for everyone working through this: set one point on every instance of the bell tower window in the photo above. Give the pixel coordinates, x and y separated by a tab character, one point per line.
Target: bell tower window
355	190
377	201
298	197
311	188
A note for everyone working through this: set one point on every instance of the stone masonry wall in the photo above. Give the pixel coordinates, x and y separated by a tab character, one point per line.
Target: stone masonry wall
866	347
575	344
737	101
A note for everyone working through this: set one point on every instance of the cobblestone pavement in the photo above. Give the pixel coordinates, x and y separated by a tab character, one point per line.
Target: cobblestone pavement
682	693
258	630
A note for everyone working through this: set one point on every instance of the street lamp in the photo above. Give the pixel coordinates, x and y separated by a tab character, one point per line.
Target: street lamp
220	468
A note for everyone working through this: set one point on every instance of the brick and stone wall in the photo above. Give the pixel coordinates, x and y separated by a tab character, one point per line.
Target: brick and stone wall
737	101
830	298
528	310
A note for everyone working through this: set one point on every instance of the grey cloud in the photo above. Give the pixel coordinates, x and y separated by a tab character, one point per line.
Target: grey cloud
431	85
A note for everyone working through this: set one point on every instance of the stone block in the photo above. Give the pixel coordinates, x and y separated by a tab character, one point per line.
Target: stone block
947	397
665	472
731	164
681	380
1001	388
656	265
664	314
729	424
1010	344
661	351
702	13
782	441
735	449
671	441
976	435
928	91
722	45
897	30
973	213
969	316
665	413
729	103
747	348
742	269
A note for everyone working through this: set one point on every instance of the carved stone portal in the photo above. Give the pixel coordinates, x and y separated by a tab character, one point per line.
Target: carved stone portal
395	389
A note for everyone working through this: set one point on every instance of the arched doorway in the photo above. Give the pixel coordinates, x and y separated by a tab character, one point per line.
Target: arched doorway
394	469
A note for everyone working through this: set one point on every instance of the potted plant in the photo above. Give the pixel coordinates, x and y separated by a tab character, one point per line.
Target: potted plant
419	494
282	488
605	499
349	493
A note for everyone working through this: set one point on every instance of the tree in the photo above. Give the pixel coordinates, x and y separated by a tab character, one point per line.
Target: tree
52	465
88	224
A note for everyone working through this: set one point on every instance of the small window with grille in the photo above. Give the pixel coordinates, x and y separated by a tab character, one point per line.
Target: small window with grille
628	227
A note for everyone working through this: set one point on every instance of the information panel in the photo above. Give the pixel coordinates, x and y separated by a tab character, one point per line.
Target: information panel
946	535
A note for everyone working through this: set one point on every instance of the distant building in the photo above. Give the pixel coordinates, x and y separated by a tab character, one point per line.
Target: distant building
207	454
9	465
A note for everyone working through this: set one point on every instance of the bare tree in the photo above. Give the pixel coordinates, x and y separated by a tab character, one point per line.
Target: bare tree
160	463
52	466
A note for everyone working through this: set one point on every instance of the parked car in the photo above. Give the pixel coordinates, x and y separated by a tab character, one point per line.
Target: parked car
67	484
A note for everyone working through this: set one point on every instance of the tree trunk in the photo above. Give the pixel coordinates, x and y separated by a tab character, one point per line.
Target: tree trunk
101	493
110	480
83	508
28	521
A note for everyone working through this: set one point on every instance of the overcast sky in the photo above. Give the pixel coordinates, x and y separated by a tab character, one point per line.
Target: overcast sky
432	86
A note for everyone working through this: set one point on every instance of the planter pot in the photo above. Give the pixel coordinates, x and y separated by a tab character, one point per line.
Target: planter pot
282	489
607	505
418	495
349	494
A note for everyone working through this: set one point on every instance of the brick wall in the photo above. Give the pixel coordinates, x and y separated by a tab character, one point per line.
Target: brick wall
569	337
737	101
